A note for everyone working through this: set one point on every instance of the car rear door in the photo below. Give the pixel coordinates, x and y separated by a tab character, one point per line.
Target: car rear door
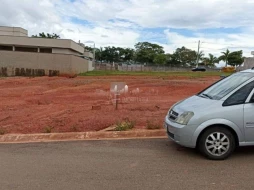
246	110
249	118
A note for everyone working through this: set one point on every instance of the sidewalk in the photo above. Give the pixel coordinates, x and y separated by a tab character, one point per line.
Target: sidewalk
101	135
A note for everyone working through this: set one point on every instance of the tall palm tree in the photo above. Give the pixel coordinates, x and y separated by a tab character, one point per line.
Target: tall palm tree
211	60
224	57
199	56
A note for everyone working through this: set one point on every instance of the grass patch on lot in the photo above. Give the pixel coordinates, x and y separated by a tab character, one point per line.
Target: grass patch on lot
124	125
171	73
48	129
2	131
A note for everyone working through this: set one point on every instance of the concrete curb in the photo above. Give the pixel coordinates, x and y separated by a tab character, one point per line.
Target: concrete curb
74	136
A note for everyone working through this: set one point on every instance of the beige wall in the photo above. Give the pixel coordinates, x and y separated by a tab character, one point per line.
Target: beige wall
65	51
13	31
79	65
248	63
90	66
88	54
67	64
41	42
77	47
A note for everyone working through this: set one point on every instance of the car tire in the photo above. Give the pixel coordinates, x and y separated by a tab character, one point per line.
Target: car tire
217	143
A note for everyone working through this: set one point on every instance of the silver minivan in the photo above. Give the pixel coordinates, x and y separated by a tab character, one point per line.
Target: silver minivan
216	120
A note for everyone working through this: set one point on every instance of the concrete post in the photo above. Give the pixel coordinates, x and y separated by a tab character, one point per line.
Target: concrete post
117	96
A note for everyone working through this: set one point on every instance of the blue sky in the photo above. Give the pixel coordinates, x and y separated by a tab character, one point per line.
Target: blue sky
171	23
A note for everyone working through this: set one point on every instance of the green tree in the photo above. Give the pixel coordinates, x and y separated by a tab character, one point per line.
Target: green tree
111	54
88	48
224	57
107	55
172	59
43	35
128	54
120	54
200	56
146	52
160	59
211	60
184	56
98	54
114	54
235	58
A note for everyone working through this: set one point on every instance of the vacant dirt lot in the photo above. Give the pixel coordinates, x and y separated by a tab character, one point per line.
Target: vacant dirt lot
34	105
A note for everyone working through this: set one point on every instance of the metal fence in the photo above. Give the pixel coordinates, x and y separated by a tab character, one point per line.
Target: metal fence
141	68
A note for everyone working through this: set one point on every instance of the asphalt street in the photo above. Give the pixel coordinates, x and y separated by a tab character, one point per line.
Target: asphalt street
120	164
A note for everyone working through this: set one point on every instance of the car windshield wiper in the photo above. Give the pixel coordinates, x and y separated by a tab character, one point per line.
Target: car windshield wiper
208	96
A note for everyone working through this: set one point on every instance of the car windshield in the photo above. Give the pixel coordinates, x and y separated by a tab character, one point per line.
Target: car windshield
225	86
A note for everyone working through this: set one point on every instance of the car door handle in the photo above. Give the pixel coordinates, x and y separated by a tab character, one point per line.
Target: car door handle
249	124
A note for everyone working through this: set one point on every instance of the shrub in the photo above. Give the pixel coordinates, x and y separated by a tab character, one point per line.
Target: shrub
2	131
48	129
124	125
228	69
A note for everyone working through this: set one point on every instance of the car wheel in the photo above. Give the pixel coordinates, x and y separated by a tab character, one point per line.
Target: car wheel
217	143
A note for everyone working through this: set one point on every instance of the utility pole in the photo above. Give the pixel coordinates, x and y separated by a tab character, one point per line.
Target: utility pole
94	54
198	53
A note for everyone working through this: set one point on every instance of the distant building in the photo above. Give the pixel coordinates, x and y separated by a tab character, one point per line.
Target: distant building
21	55
247	64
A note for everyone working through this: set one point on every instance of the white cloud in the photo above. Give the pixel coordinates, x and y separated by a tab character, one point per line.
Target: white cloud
97	11
32	15
122	23
53	16
214	44
101	36
189	13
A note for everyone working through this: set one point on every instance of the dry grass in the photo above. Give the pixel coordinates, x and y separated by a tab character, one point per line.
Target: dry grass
2	131
48	129
124	125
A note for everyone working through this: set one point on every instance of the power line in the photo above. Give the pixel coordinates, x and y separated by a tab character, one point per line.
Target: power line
181	43
217	43
228	47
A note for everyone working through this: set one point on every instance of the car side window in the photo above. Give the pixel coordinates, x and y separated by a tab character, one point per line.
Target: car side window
252	99
240	96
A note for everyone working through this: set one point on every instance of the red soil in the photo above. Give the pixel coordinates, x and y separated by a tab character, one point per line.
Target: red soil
30	105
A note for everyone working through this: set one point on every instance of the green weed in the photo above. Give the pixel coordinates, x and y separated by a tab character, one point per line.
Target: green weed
2	131
48	129
124	125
